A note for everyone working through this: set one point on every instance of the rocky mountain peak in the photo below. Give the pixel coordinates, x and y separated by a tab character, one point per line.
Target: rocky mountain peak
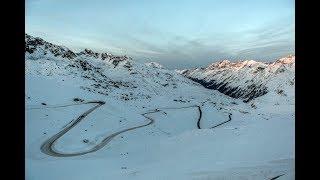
89	52
247	79
286	60
154	65
37	48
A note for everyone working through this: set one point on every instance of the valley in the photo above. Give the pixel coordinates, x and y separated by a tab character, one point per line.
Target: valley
120	119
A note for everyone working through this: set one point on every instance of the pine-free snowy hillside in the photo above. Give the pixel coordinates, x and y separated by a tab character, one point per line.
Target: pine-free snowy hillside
101	73
247	79
93	115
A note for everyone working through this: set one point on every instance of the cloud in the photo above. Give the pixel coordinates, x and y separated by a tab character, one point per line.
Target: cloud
266	42
145	51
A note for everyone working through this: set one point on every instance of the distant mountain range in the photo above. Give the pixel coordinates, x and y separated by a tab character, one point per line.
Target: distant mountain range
244	80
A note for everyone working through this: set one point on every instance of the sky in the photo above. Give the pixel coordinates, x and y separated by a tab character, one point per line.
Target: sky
175	33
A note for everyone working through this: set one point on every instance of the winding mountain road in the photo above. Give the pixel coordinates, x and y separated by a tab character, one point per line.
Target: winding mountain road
48	146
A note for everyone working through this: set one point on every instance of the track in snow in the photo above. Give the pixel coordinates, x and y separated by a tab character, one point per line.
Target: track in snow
223	122
48	146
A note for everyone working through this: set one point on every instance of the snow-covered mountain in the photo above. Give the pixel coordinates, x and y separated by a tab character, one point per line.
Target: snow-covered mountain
247	79
102	73
37	48
129	120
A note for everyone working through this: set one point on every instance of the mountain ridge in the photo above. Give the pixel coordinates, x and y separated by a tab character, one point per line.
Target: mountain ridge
40	47
246	80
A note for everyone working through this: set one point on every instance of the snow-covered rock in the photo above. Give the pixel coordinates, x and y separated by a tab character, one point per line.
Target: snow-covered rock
246	79
154	65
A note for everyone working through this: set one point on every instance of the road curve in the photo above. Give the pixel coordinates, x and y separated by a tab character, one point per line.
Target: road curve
230	114
48	146
199	119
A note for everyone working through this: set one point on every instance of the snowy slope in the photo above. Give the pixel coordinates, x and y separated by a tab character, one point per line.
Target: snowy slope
247	79
257	143
101	73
